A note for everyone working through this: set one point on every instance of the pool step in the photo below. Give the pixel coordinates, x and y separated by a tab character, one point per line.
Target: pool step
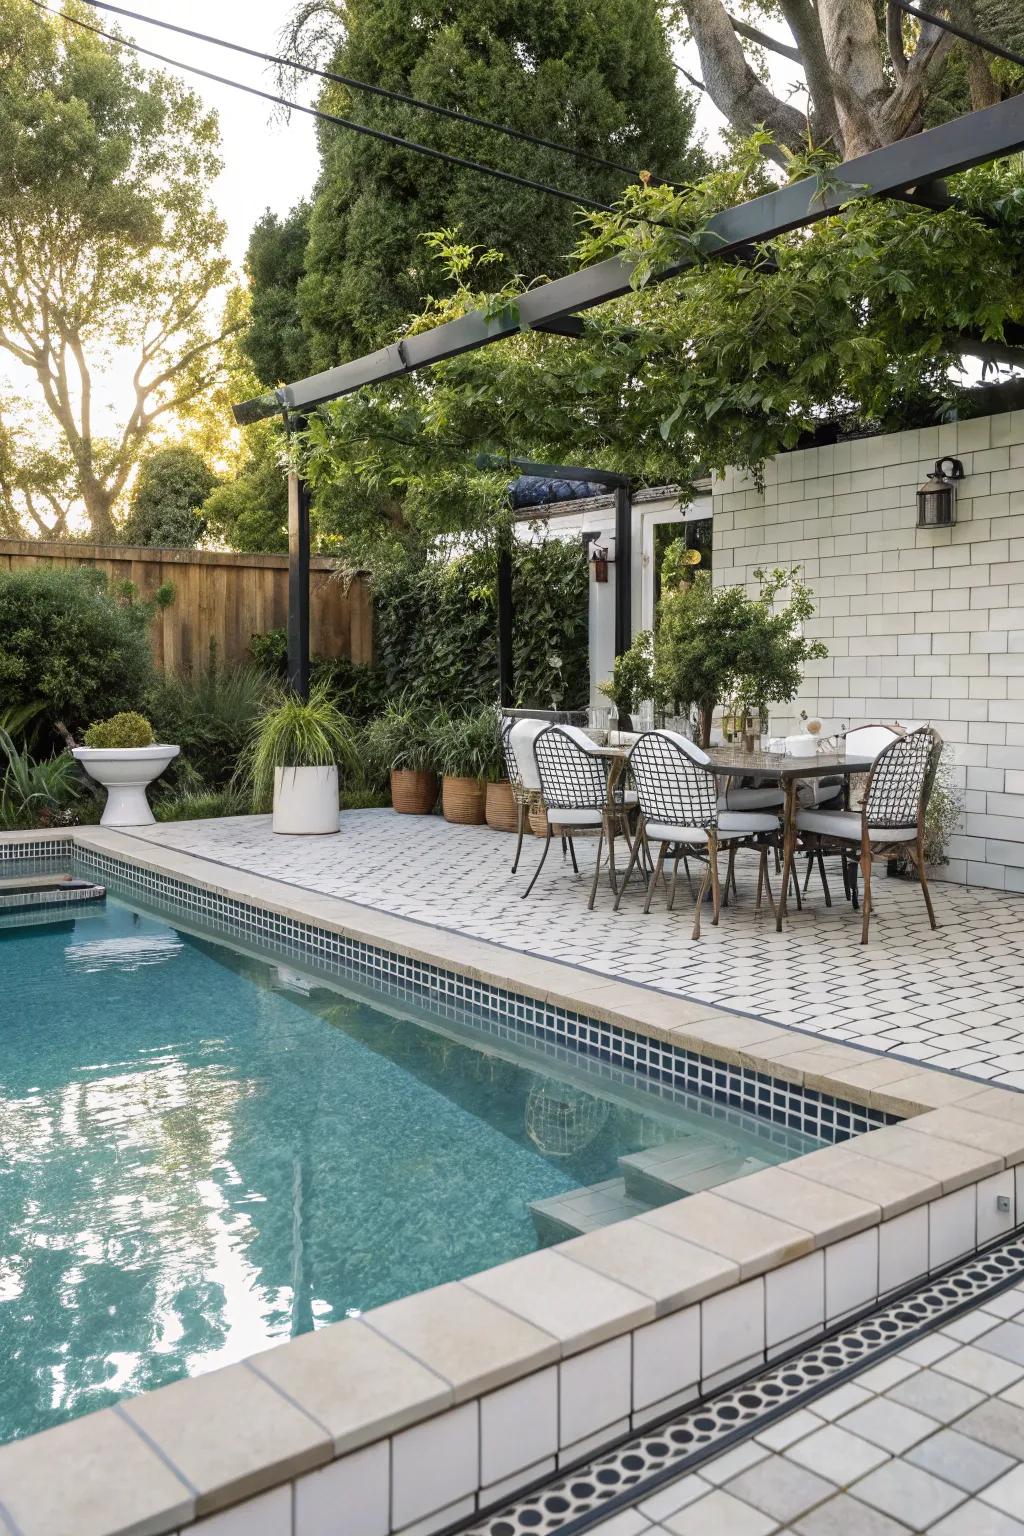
29	893
675	1168
583	1210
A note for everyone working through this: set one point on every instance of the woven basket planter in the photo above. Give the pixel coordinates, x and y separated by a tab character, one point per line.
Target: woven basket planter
463	800
538	820
413	791
501	807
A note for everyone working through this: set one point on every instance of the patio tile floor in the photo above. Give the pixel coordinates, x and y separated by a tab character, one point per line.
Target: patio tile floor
836	1468
953	998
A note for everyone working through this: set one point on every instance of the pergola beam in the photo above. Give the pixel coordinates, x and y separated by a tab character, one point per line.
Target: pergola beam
909	166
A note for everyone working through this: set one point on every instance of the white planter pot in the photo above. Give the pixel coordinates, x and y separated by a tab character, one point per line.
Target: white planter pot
306	800
124	773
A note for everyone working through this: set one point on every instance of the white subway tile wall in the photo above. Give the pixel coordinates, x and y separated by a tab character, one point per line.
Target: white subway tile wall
921	624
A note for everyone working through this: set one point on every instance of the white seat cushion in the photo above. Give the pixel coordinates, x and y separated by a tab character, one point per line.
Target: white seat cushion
751	799
847	825
574	818
812	792
626	797
730	824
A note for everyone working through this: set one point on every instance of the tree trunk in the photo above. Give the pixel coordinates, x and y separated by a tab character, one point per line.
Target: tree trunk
98	506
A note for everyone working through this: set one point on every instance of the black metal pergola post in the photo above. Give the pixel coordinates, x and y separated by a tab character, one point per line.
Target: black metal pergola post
298	576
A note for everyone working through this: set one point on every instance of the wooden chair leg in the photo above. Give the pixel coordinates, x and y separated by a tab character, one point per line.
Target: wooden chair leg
633	858
656	876
700	901
520	828
730	874
540	866
597	870
865	865
716	891
918	858
824	881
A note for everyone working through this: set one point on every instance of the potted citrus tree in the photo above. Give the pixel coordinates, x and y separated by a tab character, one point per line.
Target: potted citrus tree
398	744
123	755
292	759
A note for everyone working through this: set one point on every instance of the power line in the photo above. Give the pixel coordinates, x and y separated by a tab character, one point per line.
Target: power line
962	32
579	198
379	90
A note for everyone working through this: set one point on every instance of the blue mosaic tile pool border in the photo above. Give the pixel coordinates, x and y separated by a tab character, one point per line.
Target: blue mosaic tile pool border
621	1055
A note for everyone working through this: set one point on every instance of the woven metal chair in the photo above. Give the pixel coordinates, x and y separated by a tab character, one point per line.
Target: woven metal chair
890	820
679	807
862	741
517	739
574	791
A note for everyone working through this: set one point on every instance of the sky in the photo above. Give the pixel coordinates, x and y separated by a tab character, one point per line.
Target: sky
268	163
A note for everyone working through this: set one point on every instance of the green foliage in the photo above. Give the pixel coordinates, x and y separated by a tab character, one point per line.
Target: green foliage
169	491
68	644
944	812
467	744
202	805
110	248
854	320
401	736
435	626
274	341
125	730
250	512
209	713
31	791
601	78
296	733
713	643
357	689
632	679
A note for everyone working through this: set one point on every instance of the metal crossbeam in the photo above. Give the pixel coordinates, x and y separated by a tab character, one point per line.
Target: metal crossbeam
910	165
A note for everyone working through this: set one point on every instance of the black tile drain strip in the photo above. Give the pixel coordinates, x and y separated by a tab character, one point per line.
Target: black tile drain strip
639	1466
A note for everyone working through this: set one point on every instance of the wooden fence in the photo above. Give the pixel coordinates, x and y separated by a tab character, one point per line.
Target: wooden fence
223	598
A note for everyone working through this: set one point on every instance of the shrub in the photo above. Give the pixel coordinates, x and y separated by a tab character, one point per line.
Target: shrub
31	791
209	713
358	690
69	644
122	731
170	488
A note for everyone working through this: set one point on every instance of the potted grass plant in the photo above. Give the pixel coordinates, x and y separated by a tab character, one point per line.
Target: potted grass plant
398	744
468	754
292	759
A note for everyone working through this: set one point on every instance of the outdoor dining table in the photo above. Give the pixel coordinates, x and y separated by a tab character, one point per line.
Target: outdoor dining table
769	768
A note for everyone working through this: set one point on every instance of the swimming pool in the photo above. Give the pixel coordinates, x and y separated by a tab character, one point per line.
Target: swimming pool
203	1152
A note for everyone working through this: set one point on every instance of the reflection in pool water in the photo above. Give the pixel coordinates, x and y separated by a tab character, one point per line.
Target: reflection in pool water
202	1154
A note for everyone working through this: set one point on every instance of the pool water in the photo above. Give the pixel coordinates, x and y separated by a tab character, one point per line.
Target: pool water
202	1153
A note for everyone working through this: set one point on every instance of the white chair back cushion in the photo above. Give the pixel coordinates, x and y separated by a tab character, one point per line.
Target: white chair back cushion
869	740
695	753
521	739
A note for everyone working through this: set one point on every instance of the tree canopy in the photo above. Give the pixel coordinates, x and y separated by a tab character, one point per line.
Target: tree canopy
858	319
169	490
599	78
109	252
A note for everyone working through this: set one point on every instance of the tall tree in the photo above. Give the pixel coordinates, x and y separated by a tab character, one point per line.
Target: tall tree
109	253
598	77
870	71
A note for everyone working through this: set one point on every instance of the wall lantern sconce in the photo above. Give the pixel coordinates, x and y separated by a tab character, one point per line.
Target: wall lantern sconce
936	500
600	560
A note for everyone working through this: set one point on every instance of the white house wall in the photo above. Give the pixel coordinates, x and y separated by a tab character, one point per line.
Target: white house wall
920	624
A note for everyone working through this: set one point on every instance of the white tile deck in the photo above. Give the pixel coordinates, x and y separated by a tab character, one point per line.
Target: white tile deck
953	998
